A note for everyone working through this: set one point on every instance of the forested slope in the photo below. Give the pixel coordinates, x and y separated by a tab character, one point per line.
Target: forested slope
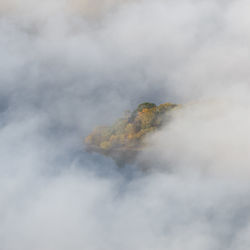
124	139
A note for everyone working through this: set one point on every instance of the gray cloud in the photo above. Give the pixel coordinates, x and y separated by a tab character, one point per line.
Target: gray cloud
67	66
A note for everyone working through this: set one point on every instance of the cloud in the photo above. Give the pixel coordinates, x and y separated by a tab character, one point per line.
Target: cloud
209	135
67	66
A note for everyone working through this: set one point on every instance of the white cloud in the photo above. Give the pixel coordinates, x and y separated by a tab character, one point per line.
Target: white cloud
62	72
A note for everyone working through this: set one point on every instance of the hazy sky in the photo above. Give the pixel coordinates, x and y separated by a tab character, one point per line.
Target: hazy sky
67	66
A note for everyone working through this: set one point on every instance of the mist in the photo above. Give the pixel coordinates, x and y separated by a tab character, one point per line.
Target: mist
68	66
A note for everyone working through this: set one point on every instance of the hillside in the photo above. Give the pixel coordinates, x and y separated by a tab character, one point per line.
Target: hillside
124	139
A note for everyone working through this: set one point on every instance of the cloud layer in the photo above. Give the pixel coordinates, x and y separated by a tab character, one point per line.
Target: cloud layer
67	66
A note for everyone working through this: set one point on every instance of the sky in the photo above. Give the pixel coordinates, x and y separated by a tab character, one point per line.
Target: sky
67	66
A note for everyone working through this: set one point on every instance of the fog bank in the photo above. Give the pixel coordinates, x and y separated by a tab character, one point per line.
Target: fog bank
68	66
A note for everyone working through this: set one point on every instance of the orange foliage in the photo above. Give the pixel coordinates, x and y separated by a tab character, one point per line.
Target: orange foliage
127	134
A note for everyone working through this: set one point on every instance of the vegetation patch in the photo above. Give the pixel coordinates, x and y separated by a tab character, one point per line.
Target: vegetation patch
124	139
